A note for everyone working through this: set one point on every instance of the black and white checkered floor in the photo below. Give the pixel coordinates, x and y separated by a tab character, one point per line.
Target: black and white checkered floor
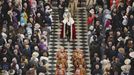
81	41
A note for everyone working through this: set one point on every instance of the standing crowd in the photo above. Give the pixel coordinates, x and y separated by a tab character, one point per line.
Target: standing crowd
111	40
25	27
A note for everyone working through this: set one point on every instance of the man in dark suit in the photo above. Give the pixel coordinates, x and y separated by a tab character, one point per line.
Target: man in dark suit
61	5
67	3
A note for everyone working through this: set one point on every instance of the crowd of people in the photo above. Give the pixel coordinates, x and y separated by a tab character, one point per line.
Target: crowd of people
25	27
111	26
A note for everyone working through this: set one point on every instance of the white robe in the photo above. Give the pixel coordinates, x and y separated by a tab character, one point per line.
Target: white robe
69	22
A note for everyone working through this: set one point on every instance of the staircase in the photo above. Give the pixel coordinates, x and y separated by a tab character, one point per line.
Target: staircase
81	42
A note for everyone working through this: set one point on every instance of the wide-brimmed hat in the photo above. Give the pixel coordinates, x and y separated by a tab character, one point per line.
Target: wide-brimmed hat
91	28
120	39
127	61
4	35
92	11
35	54
125	17
121	50
9	12
105	61
43	58
37	25
125	68
11	72
131	54
4	58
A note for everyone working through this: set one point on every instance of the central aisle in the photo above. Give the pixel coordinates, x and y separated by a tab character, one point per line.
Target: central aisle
81	41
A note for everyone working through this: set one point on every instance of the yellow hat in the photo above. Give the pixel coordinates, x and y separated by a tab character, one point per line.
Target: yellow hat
121	50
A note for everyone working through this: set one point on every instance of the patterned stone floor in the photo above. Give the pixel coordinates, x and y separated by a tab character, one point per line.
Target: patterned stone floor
80	42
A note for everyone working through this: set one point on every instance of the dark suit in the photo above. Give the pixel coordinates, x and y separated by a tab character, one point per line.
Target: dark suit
61	5
67	2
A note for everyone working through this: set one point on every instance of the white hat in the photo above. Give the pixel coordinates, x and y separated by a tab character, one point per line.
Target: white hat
35	54
37	25
4	58
41	73
22	36
4	35
105	61
127	61
125	17
92	11
36	48
43	58
131	54
9	12
14	60
125	68
91	28
120	39
11	72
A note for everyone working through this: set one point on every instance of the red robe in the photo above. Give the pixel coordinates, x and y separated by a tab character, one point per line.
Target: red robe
72	32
